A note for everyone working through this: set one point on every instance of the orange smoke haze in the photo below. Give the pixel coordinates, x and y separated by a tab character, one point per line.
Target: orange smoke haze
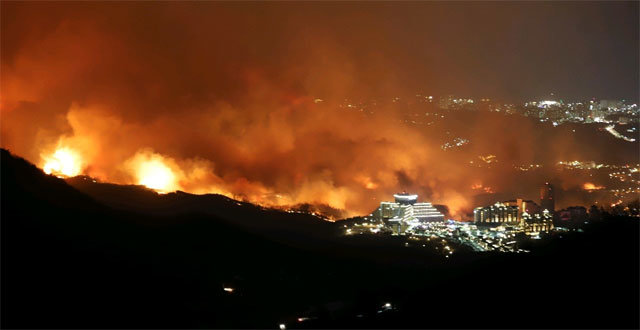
212	98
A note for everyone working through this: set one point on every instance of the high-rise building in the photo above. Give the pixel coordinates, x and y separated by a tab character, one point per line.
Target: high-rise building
537	223
406	211
519	212
496	213
524	206
547	201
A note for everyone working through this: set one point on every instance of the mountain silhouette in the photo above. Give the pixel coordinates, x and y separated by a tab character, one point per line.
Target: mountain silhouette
83	254
277	224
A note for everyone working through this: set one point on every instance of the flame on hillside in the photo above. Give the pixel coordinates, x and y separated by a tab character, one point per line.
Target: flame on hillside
63	162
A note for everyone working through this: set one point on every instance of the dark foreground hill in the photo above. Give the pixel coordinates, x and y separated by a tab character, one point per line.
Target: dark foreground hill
70	261
292	228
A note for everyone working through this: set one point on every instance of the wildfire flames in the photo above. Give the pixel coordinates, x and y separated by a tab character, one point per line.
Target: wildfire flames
479	186
156	175
149	169
590	186
266	121
63	162
153	171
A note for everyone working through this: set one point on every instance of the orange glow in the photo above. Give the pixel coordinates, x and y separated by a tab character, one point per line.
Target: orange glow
63	162
590	186
341	130
153	171
155	175
366	182
479	186
489	159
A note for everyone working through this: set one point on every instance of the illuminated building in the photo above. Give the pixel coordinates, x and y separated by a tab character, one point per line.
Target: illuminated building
610	104
446	102
496	213
524	214
538	223
523	206
547	201
405	211
547	104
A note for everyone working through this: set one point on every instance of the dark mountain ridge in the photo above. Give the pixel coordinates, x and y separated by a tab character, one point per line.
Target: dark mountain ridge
272	222
70	261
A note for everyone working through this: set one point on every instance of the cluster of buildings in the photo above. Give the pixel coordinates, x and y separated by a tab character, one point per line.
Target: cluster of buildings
524	214
494	227
406	215
552	110
600	111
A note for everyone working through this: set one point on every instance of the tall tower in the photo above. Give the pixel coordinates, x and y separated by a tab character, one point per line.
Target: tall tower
522	208
547	201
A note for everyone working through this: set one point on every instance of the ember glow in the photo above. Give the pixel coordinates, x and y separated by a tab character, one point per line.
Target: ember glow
590	186
479	186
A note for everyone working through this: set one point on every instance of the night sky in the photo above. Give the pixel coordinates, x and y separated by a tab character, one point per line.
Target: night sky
514	50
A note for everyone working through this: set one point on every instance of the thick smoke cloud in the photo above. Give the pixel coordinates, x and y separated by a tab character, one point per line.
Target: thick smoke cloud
225	94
